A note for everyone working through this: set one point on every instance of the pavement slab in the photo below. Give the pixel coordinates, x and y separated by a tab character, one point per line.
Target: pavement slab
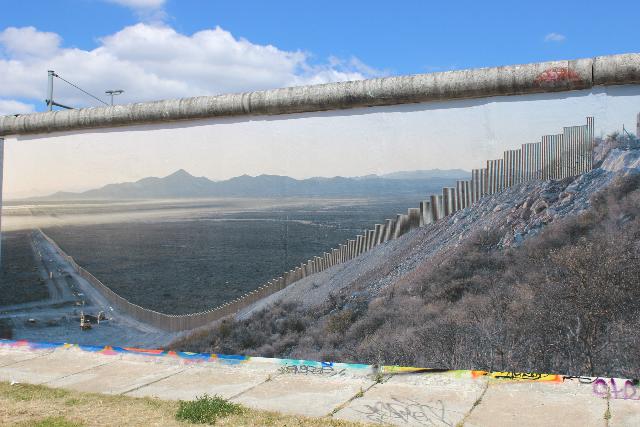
117	376
209	378
429	399
513	403
624	413
405	396
312	395
48	367
8	357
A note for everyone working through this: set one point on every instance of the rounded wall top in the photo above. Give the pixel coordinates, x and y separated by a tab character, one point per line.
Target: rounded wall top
553	76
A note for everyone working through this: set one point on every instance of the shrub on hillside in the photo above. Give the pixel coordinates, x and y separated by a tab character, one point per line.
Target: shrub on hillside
567	300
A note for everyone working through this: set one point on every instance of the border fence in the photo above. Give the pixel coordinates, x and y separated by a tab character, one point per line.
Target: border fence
558	156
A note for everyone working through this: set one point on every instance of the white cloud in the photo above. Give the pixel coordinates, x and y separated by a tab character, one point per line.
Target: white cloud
155	62
555	37
9	106
27	41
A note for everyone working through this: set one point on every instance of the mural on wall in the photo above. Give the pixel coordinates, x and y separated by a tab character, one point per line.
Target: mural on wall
203	218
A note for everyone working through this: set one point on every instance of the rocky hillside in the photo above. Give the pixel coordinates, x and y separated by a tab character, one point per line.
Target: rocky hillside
540	277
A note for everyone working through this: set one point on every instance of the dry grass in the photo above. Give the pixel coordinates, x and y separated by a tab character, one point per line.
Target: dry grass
31	405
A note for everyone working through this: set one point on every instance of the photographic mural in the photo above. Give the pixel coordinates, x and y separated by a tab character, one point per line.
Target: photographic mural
144	232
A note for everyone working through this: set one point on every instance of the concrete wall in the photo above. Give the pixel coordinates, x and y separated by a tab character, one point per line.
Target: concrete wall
553	157
553	76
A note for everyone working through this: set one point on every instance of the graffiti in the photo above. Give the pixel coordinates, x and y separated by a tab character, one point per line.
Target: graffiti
324	369
613	388
519	376
551	76
581	379
406	412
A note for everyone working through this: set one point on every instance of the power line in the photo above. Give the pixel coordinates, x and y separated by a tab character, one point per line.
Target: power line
80	89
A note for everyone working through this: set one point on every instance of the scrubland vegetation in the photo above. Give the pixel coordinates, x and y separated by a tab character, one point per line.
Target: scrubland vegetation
197	263
565	301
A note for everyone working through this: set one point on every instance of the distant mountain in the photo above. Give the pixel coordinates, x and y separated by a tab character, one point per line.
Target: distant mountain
182	184
428	174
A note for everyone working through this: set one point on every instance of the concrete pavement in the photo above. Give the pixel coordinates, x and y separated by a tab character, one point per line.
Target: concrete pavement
385	395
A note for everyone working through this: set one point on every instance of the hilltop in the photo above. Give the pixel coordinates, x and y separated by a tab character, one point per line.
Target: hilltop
541	277
182	184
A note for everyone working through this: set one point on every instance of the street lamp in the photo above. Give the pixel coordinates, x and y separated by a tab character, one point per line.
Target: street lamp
113	92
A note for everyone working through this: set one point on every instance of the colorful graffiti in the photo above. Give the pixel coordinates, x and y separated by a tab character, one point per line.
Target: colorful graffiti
114	350
519	376
612	388
327	369
409	370
616	388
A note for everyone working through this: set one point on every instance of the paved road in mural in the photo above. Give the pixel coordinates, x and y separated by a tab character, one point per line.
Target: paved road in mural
378	395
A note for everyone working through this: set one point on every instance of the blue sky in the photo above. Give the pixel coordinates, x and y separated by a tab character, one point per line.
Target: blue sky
338	40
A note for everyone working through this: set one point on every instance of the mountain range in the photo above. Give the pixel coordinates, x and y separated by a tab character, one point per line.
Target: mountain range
182	184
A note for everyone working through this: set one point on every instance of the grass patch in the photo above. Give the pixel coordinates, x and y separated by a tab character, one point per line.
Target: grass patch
207	409
27	392
72	402
31	405
52	422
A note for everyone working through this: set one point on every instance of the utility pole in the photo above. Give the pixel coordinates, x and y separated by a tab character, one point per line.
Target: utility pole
49	99
113	92
50	102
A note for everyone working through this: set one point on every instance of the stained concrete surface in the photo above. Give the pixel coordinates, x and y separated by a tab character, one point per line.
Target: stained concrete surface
417	399
350	392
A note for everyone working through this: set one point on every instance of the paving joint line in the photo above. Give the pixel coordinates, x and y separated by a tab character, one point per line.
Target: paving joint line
153	382
26	360
607	412
269	378
474	406
76	373
358	395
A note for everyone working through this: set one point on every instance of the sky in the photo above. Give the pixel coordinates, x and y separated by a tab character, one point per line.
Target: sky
159	49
